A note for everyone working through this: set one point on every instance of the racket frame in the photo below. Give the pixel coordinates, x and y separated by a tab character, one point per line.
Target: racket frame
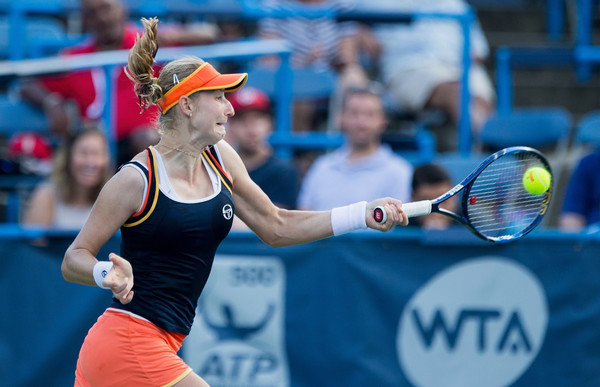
425	207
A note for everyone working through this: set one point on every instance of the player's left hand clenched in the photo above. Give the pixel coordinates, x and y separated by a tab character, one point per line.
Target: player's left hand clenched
120	279
394	214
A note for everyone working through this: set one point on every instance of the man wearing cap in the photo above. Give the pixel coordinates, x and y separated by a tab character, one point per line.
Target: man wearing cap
249	131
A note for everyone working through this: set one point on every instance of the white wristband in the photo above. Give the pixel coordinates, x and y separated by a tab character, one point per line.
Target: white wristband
101	269
349	218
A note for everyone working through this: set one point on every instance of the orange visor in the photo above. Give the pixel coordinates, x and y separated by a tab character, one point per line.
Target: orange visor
204	78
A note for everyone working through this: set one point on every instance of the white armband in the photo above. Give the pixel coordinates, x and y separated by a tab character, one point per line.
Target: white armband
349	218
101	269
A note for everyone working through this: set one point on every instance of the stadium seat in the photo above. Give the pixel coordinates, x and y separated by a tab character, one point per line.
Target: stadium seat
18	115
588	130
535	127
586	137
457	165
307	84
39	27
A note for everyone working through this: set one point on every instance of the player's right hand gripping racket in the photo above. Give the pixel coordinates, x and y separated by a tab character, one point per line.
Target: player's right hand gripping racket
495	204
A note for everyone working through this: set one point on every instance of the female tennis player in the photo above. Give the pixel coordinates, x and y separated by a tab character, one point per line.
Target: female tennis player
174	204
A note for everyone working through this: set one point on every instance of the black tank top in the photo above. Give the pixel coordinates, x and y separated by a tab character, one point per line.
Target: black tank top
171	246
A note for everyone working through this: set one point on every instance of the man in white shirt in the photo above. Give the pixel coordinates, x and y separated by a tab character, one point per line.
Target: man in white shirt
422	61
363	168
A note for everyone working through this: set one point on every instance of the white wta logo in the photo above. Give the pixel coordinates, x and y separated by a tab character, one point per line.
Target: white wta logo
227	211
480	322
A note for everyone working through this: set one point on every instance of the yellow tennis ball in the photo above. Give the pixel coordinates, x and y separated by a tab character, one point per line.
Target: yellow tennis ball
536	180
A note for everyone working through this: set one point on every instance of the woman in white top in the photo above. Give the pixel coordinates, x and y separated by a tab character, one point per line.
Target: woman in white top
81	167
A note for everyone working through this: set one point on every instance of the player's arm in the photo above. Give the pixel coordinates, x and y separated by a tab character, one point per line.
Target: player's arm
120	197
280	227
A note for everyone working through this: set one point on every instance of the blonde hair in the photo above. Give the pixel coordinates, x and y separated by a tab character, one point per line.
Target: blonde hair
150	89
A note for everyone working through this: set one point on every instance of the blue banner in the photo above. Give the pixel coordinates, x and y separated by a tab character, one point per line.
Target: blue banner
365	309
44	318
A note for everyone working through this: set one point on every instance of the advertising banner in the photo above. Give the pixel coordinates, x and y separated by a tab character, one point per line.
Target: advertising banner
240	325
358	310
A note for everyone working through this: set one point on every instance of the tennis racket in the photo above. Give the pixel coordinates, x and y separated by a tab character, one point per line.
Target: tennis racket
495	204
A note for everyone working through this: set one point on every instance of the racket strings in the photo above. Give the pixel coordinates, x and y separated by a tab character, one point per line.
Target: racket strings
498	204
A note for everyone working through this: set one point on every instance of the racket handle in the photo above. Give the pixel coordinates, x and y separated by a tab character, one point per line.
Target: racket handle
420	208
411	210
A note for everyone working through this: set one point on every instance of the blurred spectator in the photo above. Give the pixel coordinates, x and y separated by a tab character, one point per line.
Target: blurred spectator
249	131
430	181
81	167
421	62
319	44
581	206
106	23
361	169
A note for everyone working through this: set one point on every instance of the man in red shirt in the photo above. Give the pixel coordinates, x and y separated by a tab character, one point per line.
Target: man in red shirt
106	23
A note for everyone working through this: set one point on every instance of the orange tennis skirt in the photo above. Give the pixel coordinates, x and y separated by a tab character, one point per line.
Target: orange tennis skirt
123	349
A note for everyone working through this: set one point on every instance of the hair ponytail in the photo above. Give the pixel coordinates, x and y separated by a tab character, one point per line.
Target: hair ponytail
149	88
140	65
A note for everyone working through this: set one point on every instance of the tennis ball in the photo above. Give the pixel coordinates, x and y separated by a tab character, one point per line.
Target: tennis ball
536	180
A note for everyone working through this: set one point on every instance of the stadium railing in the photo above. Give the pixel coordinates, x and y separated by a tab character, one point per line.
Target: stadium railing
585	52
370	15
250	10
555	19
116	59
509	58
21	116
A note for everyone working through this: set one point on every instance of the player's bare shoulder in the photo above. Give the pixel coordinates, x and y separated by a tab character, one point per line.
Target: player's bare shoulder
225	149
141	158
232	163
130	173
128	184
